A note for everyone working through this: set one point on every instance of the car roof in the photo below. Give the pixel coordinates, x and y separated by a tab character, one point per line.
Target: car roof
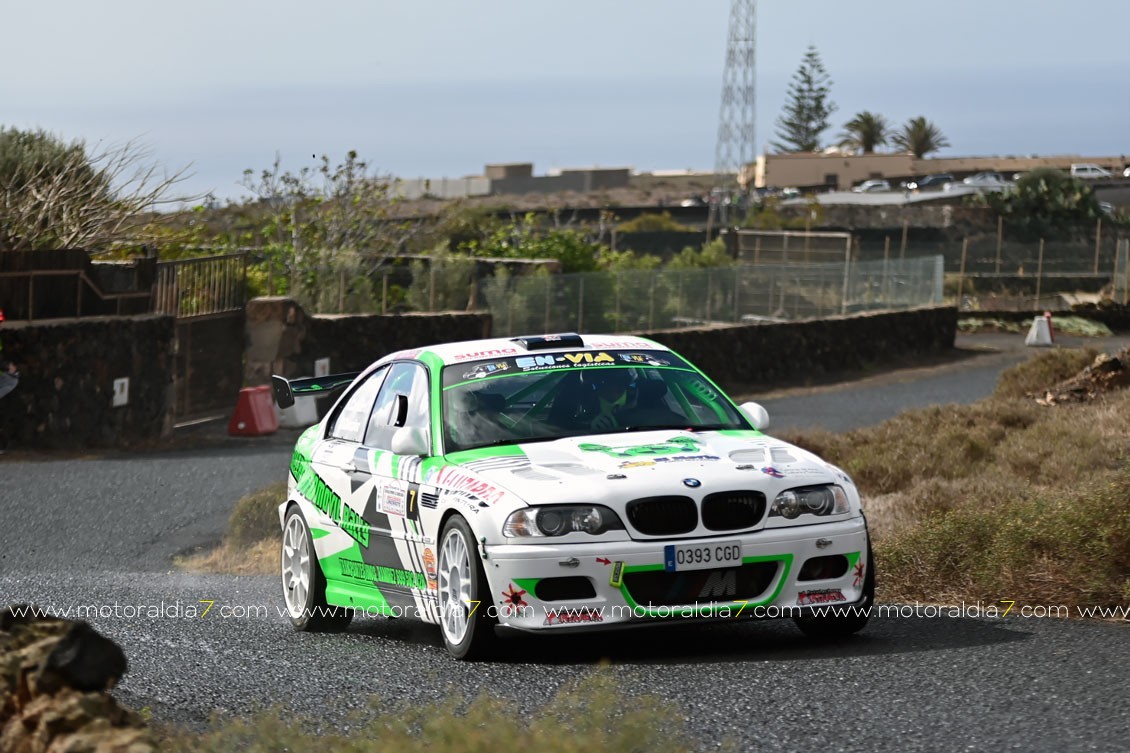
502	347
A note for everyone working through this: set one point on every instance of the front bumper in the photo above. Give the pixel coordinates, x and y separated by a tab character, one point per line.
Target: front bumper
602	585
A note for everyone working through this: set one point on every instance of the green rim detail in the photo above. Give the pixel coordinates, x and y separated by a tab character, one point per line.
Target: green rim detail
527	584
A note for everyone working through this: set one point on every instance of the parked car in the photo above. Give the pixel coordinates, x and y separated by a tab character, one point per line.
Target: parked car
559	483
1088	171
984	181
872	186
1126	172
930	182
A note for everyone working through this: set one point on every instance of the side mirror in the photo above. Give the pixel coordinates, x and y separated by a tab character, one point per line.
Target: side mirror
756	414
410	440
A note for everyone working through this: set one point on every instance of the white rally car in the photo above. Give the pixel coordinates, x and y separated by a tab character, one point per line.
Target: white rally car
560	483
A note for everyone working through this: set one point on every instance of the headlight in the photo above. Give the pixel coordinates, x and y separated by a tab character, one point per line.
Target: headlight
559	520
810	500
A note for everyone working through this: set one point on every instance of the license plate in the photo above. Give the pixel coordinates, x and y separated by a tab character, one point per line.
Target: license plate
702	556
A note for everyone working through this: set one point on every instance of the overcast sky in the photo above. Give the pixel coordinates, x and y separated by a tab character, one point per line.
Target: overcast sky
439	88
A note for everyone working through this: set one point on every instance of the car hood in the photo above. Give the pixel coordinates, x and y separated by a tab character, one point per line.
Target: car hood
611	469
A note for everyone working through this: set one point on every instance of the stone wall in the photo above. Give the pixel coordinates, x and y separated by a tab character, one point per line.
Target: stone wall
799	353
68	367
283	339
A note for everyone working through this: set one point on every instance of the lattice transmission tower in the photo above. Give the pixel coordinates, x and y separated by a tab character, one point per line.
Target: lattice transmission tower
736	146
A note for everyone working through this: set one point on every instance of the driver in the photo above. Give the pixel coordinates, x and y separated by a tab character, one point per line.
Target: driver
610	395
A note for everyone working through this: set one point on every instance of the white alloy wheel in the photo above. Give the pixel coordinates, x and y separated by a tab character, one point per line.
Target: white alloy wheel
465	607
304	585
295	566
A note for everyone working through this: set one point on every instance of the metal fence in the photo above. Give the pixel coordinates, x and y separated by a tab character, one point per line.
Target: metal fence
792	247
1122	273
664	299
201	286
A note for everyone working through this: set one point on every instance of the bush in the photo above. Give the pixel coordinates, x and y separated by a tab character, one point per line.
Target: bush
1042	371
652	222
256	516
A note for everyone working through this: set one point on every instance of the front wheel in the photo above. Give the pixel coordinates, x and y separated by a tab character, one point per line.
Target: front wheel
465	606
831	626
304	585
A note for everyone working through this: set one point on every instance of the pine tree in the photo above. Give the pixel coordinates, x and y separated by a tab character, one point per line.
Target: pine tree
806	114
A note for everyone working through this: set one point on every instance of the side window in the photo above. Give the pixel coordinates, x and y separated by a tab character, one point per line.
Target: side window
351	419
411	381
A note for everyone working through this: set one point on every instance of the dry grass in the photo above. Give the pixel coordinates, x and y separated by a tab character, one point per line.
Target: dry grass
251	544
1003	499
260	558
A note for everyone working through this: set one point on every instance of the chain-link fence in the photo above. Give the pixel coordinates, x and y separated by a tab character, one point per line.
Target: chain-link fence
1122	273
792	247
663	299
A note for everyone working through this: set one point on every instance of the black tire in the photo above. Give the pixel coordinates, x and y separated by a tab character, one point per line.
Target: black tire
307	610
466	608
832	627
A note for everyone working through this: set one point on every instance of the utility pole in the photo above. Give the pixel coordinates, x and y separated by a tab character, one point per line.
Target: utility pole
736	146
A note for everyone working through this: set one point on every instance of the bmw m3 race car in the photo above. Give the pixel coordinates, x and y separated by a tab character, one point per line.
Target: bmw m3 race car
560	483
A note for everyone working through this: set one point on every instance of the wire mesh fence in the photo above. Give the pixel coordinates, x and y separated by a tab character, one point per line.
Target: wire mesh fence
1122	273
639	300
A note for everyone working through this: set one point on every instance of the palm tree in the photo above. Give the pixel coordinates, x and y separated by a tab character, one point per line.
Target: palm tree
864	132
920	137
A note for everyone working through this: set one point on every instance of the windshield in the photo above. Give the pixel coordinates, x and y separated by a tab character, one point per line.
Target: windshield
548	396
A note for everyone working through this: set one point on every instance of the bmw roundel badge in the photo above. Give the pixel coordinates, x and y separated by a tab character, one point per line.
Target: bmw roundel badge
693	483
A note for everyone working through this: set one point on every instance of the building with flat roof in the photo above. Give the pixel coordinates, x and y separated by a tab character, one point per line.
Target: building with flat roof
842	171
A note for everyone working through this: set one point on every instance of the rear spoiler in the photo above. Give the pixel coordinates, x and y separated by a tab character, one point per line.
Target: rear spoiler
285	389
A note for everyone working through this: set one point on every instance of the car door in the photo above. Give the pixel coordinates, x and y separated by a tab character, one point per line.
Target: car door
397	559
345	429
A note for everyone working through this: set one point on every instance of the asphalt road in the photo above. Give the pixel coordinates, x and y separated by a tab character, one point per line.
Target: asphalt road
100	531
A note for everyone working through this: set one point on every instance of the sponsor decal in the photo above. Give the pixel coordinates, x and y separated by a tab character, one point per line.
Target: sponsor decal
512	600
454	480
572	616
859	570
494	353
550	361
430	568
674	459
393	576
313	488
486	369
626	344
643	358
394	500
820	596
604	561
672	446
771	471
617	577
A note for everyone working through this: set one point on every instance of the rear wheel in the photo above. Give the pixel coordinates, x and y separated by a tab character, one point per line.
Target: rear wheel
304	585
465	606
832	626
